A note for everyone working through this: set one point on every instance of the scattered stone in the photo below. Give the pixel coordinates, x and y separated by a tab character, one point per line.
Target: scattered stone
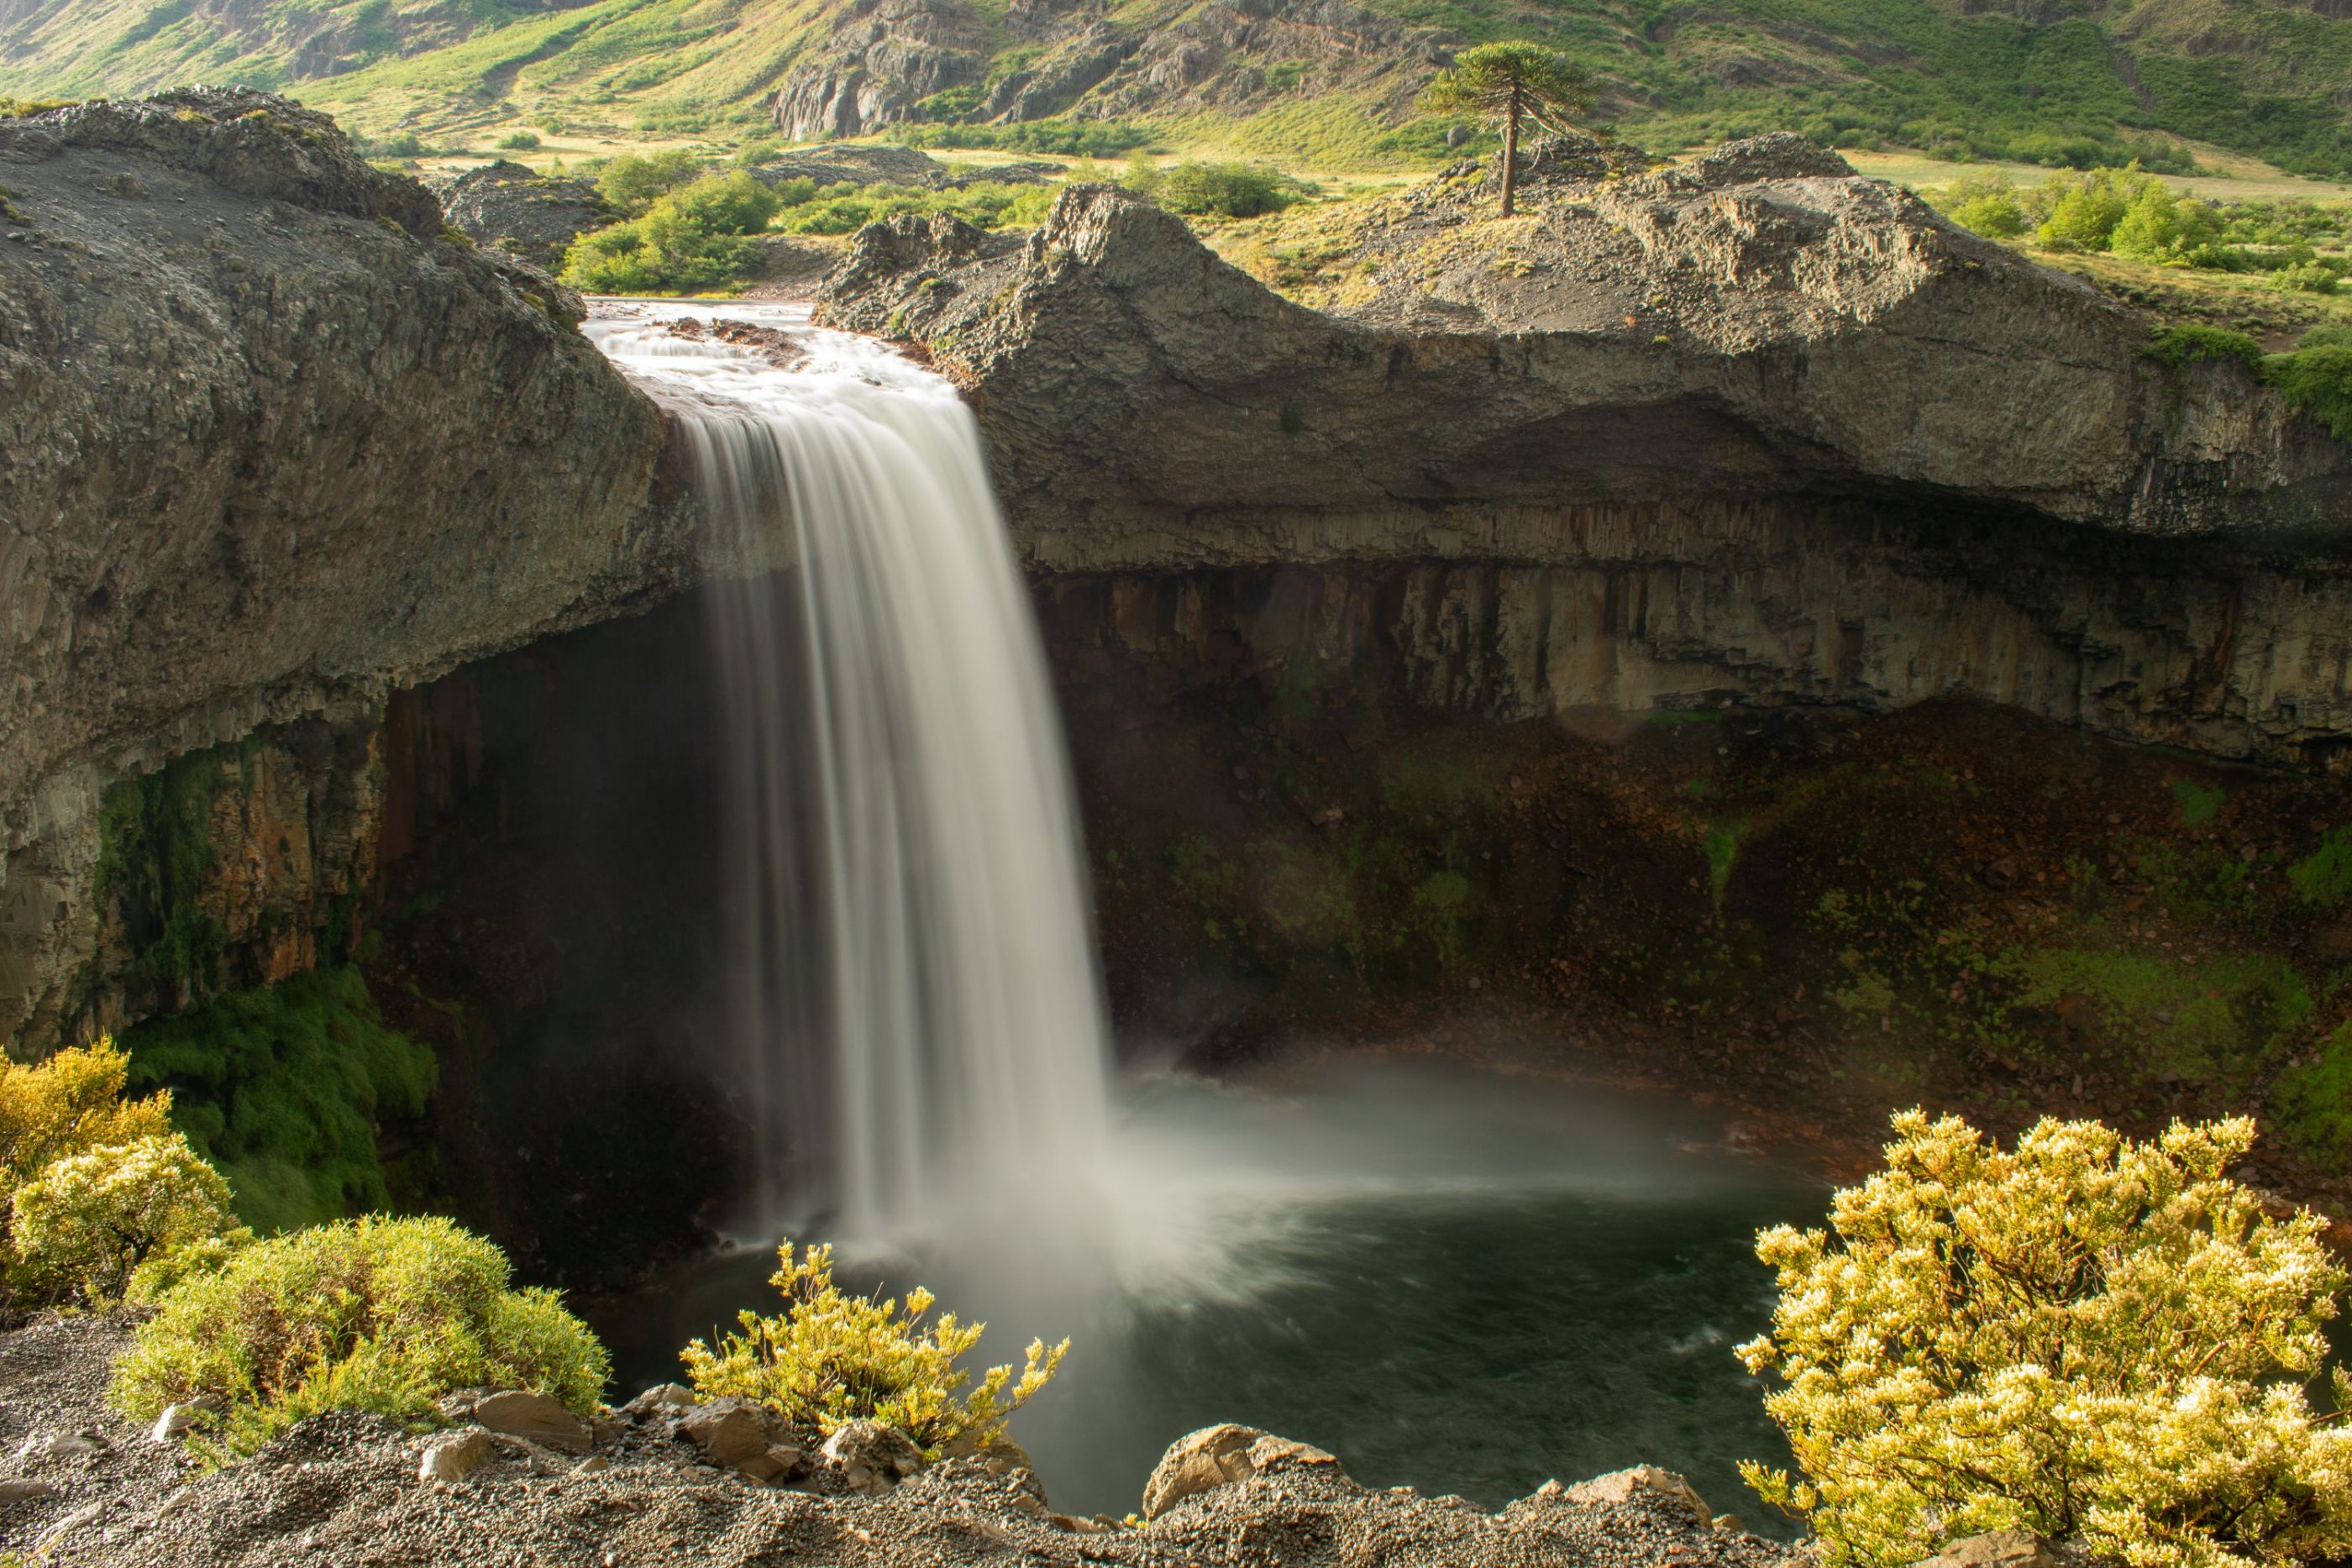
16	1491
1622	1486
872	1458
661	1399
175	1422
1198	1462
749	1438
455	1456
1999	1549
535	1417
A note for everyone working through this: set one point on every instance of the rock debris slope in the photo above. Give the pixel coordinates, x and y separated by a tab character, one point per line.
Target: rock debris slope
654	1488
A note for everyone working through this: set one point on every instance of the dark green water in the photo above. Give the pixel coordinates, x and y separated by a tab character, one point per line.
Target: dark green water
1462	1283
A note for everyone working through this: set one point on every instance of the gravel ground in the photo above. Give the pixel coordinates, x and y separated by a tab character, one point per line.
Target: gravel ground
342	1491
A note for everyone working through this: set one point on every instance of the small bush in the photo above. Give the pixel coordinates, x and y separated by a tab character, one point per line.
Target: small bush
520	142
91	1222
831	1358
633	181
1218	190
2176	346
1983	203
2083	1337
2167	228
382	1315
691	238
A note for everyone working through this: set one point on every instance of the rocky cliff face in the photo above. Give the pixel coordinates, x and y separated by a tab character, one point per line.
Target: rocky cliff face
885	58
276	444
1755	429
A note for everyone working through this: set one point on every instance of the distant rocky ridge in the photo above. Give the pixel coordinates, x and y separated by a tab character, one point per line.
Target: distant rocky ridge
883	60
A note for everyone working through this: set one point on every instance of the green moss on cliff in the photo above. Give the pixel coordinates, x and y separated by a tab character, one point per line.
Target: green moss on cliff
154	851
283	1087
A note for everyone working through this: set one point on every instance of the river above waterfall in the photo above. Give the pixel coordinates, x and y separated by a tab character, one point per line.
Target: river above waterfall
1462	1282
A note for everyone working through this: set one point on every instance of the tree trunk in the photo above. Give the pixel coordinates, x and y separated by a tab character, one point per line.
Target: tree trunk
1510	151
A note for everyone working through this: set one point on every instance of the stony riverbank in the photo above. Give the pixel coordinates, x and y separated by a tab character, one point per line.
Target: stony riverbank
662	1482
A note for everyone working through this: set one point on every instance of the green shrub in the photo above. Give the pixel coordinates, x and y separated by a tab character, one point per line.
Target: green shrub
93	1187
2177	346
375	1314
282	1087
831	1358
693	237
2085	1337
2318	381
845	209
2165	227
633	181
2081	212
91	1222
1983	203
520	142
1219	190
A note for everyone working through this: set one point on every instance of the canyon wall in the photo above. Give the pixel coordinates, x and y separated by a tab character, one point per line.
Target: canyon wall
1752	432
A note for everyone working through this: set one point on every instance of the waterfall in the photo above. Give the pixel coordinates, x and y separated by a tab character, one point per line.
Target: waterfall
915	992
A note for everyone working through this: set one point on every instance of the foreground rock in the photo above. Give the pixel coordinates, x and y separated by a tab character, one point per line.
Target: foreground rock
274	444
359	1492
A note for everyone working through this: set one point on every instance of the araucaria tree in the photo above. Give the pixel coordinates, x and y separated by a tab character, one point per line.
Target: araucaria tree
1511	82
2086	1336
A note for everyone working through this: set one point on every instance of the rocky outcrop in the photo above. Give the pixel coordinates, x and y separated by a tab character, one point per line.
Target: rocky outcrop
1732	329
276	444
882	60
526	213
1749	430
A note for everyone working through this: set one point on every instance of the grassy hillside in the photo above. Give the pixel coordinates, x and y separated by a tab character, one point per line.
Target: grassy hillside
2037	81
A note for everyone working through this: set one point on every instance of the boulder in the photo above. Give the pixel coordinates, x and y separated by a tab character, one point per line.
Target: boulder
1624	1486
537	1417
871	1457
23	1491
454	1456
526	213
1198	1462
746	1438
663	1399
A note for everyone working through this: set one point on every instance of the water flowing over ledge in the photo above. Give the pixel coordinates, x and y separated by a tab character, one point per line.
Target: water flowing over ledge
915	991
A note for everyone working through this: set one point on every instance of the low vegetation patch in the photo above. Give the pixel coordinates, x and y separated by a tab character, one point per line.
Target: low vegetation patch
831	1358
375	1314
284	1087
2085	1336
1217	190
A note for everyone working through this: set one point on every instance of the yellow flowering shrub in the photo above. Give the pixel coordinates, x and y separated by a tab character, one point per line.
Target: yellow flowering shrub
2086	1336
831	1357
95	1188
68	1104
90	1221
